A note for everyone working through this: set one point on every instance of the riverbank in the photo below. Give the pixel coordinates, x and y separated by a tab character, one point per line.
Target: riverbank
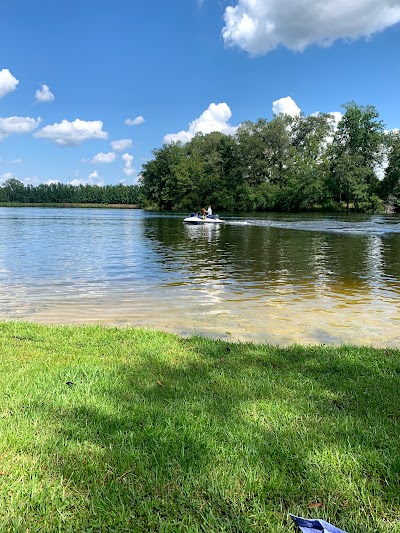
121	429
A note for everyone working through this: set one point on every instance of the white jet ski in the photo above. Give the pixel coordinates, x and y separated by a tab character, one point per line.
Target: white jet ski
195	218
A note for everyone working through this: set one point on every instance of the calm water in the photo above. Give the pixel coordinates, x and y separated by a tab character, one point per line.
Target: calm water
277	278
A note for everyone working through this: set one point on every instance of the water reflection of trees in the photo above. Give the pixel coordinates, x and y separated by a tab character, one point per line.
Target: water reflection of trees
265	258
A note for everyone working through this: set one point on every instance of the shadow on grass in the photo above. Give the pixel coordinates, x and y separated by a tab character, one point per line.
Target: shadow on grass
209	436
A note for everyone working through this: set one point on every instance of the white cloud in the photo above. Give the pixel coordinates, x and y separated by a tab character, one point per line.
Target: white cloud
285	106
182	136
13	161
92	179
13	125
7	176
51	182
26	181
121	144
104	158
215	118
128	169
30	181
44	94
8	83
77	182
135	122
259	26
336	117
72	133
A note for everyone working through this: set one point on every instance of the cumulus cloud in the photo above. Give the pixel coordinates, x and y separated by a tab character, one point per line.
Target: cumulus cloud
30	181
26	181
104	158
121	144
12	162
336	117
259	26
44	94
8	83
12	125
215	118
92	179
7	176
134	122
72	133
77	182
128	169
285	106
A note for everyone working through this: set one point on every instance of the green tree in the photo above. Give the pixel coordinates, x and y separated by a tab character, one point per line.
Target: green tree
14	190
390	185
213	162
355	153
263	150
158	177
306	168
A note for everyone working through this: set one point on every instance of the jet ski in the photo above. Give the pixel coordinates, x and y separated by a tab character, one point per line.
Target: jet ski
195	218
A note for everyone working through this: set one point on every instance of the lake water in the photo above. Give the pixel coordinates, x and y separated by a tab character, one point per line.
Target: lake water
270	278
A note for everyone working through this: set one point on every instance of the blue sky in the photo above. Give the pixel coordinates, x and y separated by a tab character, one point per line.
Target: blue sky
89	88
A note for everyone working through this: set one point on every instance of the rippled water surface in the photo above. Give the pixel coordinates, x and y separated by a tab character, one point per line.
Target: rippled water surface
276	278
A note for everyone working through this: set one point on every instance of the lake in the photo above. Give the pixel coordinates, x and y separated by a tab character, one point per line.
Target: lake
273	278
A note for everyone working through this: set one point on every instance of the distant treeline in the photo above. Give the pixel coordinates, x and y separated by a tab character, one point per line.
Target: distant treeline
285	164
14	191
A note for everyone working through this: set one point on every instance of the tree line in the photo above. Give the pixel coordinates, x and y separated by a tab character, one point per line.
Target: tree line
284	164
14	191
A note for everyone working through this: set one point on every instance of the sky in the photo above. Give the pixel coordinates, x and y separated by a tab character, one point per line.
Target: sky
89	88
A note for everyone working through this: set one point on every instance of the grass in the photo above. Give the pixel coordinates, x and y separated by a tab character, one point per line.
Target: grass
119	429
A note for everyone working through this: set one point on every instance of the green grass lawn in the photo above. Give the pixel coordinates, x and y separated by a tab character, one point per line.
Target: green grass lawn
120	429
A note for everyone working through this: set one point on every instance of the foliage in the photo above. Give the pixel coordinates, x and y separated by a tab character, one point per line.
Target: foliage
14	191
285	164
355	153
390	186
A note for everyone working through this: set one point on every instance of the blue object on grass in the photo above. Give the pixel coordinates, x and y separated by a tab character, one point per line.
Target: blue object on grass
315	525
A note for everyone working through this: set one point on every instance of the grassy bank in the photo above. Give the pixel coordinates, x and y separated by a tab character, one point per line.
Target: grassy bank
106	429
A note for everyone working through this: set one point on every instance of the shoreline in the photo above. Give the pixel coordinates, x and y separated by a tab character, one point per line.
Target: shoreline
71	205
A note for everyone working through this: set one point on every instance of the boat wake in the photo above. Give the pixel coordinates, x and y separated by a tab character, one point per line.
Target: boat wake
238	223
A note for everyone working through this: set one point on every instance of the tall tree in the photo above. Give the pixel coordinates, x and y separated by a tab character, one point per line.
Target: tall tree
158	177
390	185
13	190
263	149
306	168
356	152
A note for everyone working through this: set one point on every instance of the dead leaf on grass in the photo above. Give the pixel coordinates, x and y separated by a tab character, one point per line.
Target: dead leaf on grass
314	505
